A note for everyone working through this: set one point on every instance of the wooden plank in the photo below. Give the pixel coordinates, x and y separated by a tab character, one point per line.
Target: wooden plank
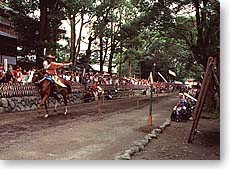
201	98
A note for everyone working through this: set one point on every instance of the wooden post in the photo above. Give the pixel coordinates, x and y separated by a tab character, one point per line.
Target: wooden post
150	121
99	106
201	98
217	83
103	98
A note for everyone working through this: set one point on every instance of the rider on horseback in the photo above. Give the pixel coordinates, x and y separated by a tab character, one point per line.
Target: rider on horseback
50	67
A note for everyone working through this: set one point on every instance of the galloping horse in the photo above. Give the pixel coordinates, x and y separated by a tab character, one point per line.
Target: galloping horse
45	86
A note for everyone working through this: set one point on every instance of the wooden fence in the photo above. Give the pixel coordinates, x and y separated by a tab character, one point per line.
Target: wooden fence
8	90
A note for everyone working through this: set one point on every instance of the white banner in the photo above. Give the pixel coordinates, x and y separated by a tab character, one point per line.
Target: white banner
186	94
151	77
5	65
162	76
172	73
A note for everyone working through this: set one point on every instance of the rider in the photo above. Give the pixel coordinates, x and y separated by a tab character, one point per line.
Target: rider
51	66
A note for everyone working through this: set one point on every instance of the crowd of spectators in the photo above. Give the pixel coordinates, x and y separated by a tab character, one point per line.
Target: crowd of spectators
91	80
18	74
14	75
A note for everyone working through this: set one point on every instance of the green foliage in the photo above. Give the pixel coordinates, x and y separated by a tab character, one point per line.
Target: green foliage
164	32
24	7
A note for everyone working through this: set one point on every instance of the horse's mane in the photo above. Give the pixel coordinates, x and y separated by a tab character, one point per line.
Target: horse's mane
40	72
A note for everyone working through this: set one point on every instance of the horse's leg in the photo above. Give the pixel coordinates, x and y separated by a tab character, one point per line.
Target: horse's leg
66	110
57	100
64	94
47	113
43	102
55	106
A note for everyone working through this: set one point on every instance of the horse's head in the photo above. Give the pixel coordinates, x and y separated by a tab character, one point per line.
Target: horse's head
37	76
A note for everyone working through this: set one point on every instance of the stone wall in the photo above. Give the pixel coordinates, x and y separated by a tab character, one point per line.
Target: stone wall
16	104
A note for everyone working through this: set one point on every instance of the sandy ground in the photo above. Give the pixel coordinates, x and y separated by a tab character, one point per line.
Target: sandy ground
84	135
81	134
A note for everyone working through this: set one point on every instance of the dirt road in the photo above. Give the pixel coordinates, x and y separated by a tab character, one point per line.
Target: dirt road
80	134
172	143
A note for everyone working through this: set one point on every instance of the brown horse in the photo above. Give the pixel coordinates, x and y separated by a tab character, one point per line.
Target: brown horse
45	86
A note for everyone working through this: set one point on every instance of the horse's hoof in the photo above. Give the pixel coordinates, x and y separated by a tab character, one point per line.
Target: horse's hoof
46	115
65	113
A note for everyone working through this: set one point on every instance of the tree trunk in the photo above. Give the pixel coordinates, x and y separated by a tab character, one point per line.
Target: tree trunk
72	38
43	30
88	51
101	54
43	19
105	51
53	8
111	59
210	103
129	68
78	47
112	50
120	59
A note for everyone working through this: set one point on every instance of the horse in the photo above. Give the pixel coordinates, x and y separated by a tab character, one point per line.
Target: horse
45	86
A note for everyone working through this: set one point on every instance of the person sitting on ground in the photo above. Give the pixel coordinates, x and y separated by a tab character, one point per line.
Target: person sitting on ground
181	101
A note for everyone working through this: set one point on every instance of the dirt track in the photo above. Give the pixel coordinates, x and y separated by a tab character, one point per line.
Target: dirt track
172	144
83	135
80	134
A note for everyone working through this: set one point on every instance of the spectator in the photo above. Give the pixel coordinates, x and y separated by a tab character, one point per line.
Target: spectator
9	76
182	101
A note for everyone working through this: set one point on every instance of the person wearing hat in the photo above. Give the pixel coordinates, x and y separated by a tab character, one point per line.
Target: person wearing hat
181	101
51	66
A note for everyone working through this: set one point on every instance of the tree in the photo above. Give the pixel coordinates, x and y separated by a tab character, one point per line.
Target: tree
76	10
27	24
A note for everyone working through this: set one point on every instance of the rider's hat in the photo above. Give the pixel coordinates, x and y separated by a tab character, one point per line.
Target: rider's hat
50	57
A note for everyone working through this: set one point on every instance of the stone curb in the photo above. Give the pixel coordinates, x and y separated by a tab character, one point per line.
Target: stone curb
139	145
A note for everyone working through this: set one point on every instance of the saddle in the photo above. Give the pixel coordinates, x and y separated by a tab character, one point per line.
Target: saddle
66	83
58	83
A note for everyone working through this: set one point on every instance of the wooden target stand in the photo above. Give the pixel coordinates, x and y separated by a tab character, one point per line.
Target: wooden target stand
210	75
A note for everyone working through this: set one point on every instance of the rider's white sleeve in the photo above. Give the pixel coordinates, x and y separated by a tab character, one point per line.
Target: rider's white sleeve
45	65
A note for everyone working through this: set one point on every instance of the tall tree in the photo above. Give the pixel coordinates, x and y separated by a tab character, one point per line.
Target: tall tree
47	24
76	10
